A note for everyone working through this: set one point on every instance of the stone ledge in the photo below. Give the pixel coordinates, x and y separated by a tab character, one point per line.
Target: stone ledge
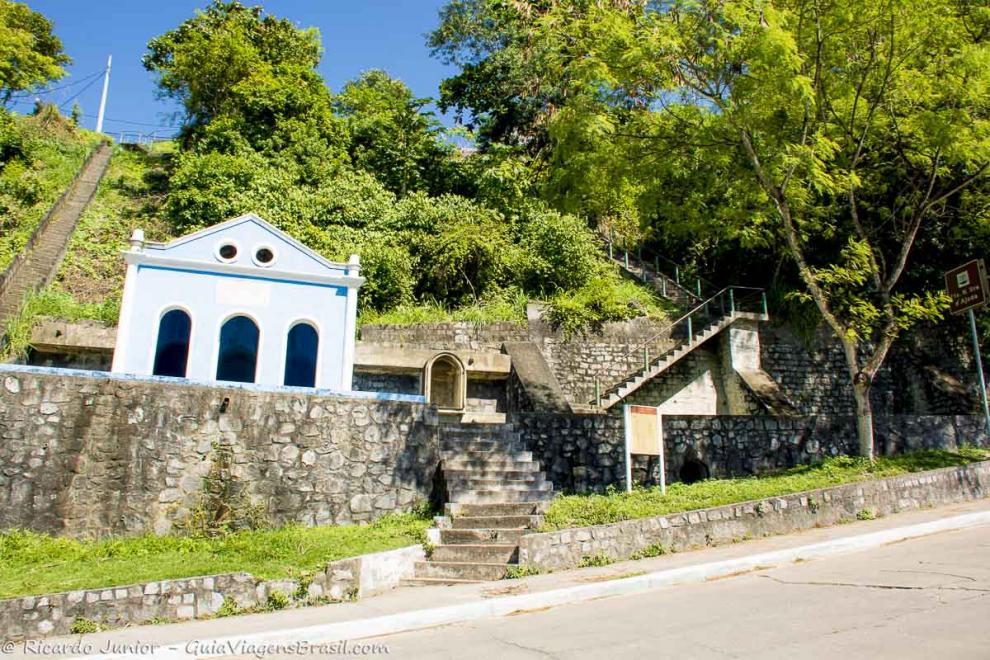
565	548
47	615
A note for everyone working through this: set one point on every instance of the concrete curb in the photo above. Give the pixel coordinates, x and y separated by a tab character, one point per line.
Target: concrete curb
501	606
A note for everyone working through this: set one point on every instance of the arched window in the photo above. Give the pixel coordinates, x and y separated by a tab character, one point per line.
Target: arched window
172	349
300	355
238	357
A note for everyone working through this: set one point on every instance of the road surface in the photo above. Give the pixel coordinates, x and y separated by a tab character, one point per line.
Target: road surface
923	598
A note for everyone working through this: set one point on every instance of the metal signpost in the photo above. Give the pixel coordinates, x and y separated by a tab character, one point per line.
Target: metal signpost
967	287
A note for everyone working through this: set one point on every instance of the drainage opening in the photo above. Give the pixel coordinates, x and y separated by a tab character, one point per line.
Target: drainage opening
693	470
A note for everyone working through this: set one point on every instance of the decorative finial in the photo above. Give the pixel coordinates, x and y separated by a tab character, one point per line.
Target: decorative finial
137	240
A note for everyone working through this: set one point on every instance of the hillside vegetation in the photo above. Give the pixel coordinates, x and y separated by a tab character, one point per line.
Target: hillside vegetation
39	156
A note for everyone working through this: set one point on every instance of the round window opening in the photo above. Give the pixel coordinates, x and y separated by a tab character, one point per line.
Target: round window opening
228	251
264	256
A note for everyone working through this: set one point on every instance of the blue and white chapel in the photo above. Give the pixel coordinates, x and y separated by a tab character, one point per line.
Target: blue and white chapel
240	302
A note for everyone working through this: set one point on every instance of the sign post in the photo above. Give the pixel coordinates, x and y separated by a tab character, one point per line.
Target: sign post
967	287
644	437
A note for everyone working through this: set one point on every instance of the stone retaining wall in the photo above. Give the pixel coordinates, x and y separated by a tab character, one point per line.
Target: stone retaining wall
197	597
778	515
585	452
91	454
461	335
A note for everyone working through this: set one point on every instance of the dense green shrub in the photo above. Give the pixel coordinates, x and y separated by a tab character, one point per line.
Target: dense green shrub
604	298
388	271
560	252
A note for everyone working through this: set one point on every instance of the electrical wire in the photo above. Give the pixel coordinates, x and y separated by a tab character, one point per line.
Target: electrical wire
77	94
41	92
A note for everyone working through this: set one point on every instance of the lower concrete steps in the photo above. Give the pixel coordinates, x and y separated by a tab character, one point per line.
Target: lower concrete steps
459	572
481	553
481	534
495	522
495	493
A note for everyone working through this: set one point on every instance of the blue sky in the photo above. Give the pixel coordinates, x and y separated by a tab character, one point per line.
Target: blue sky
357	35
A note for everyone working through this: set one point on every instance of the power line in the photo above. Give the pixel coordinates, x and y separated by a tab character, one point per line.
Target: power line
40	92
135	123
77	94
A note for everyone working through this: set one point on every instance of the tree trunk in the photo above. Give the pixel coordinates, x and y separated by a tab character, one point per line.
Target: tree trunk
864	414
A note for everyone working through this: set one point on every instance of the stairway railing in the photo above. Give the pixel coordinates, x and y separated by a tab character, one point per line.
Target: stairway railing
8	275
693	285
726	303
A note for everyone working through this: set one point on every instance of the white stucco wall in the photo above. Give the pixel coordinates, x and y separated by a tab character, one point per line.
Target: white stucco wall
297	286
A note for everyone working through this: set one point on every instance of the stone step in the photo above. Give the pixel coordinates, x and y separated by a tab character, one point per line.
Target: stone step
478	433
430	582
460	570
474	523
490	535
456	475
496	509
497	484
498	496
470	455
482	446
488	553
493	462
480	417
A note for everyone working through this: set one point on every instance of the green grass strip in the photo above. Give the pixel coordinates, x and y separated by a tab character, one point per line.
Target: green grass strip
585	510
32	563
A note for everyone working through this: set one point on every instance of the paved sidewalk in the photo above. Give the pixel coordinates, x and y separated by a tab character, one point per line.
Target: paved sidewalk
409	601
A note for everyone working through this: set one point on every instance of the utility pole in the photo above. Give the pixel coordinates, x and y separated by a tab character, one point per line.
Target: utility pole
103	99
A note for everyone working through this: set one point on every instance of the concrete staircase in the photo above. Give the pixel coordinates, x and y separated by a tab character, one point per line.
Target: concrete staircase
671	288
495	493
38	264
620	391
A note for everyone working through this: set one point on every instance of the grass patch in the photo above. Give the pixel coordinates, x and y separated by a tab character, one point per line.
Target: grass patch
511	306
585	510
33	563
129	197
57	304
39	156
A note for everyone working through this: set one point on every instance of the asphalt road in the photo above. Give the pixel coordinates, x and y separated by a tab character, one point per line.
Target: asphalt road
922	598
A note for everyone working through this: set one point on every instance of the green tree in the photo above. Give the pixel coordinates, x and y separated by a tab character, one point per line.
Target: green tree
860	125
30	53
247	79
391	136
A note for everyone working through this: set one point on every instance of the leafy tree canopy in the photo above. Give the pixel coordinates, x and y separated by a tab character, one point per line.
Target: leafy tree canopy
391	135
30	53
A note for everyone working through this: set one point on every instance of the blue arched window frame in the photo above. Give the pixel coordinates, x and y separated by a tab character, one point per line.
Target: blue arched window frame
302	350
172	343
237	354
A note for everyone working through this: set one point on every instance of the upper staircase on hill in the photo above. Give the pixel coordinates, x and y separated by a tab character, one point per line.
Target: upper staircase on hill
683	291
37	264
701	323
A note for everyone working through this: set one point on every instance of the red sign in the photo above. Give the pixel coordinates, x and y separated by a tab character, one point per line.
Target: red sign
967	286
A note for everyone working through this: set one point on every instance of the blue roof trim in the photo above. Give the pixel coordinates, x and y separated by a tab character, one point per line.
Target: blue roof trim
185	382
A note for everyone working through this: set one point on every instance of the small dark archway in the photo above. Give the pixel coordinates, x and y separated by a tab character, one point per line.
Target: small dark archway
693	471
238	358
445	382
301	349
172	346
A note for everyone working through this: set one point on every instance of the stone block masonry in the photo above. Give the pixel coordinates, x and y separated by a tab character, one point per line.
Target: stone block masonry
198	597
84	454
777	515
585	452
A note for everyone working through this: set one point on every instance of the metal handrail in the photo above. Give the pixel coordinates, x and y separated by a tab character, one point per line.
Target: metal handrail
734	304
697	293
8	275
